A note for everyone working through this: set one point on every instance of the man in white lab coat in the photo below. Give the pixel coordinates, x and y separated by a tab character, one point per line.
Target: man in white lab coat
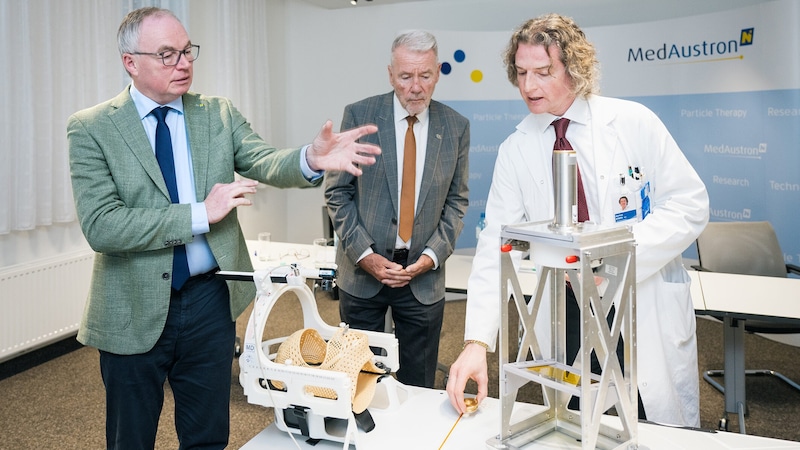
623	149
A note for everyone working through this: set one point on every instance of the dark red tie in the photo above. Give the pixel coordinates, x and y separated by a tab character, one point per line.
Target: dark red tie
563	144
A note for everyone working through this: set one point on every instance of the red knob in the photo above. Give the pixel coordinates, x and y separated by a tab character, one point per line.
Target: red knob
572	259
505	248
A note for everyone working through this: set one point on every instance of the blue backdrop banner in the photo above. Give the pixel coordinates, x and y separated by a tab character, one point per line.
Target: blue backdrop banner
724	85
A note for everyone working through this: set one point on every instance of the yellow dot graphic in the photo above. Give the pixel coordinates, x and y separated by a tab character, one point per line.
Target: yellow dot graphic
476	76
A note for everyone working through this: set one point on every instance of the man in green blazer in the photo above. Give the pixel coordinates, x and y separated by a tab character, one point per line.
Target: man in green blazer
150	221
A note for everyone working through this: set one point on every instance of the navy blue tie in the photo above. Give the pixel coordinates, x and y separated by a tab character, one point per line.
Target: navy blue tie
180	265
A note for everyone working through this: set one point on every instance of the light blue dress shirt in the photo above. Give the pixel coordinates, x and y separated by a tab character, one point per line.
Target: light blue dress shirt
201	260
198	252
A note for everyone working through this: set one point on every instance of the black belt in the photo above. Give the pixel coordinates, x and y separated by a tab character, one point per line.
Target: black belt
400	255
201	277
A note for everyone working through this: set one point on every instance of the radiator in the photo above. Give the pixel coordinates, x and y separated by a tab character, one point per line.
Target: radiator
42	302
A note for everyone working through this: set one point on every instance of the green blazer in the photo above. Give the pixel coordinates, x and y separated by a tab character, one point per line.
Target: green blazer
126	215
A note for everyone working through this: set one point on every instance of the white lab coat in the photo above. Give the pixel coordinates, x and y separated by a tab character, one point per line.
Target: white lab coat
620	134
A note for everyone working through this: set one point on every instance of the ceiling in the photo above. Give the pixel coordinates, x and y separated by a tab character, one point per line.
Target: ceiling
587	12
336	4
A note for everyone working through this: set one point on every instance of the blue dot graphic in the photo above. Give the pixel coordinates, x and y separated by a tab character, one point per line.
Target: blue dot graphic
459	56
446	68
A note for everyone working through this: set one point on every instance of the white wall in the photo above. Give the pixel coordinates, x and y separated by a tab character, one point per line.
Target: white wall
214	25
338	56
320	59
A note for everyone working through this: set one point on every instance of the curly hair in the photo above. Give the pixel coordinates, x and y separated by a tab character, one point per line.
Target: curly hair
577	53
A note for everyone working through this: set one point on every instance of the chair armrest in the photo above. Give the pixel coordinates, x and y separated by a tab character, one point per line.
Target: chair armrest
700	268
792	268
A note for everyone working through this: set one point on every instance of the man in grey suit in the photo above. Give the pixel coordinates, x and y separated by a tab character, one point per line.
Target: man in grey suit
161	227
382	262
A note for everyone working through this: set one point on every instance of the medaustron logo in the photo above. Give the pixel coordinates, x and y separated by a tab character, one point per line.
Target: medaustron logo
746	38
694	52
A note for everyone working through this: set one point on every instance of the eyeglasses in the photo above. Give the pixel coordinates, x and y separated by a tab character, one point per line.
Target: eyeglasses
297	254
173	57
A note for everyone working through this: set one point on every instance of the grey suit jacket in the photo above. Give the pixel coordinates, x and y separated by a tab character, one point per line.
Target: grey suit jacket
126	215
364	210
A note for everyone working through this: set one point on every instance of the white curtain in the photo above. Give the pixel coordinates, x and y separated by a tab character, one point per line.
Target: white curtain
233	62
57	57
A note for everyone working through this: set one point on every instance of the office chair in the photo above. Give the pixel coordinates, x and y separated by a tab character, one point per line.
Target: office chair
745	248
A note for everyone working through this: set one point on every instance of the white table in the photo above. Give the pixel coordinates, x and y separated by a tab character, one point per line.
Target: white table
735	299
748	296
424	419
458	267
285	253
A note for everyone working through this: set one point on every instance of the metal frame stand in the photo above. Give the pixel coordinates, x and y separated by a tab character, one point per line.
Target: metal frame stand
571	256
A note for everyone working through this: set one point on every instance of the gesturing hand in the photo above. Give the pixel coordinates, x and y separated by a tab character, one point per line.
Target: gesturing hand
224	197
341	151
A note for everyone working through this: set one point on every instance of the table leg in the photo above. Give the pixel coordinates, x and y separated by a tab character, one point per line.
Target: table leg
735	401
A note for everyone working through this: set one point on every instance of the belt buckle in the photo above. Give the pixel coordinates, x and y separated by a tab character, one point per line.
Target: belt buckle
400	254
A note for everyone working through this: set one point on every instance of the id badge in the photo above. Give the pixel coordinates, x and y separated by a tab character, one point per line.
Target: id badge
626	209
633	199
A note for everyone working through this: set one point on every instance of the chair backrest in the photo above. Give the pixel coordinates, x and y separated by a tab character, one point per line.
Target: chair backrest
747	248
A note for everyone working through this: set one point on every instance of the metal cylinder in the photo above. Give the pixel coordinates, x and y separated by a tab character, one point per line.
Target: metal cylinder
565	188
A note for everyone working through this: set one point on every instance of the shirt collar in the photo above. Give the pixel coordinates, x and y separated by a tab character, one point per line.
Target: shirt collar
400	113
144	105
578	113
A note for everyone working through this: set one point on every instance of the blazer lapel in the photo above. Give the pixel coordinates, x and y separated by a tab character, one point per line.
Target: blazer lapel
434	147
124	113
387	139
197	119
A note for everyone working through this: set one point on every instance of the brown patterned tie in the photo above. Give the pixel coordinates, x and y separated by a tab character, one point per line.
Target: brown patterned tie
563	144
407	192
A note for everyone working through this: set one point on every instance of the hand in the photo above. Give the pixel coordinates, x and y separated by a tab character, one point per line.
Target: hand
341	151
422	265
471	364
387	272
224	197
